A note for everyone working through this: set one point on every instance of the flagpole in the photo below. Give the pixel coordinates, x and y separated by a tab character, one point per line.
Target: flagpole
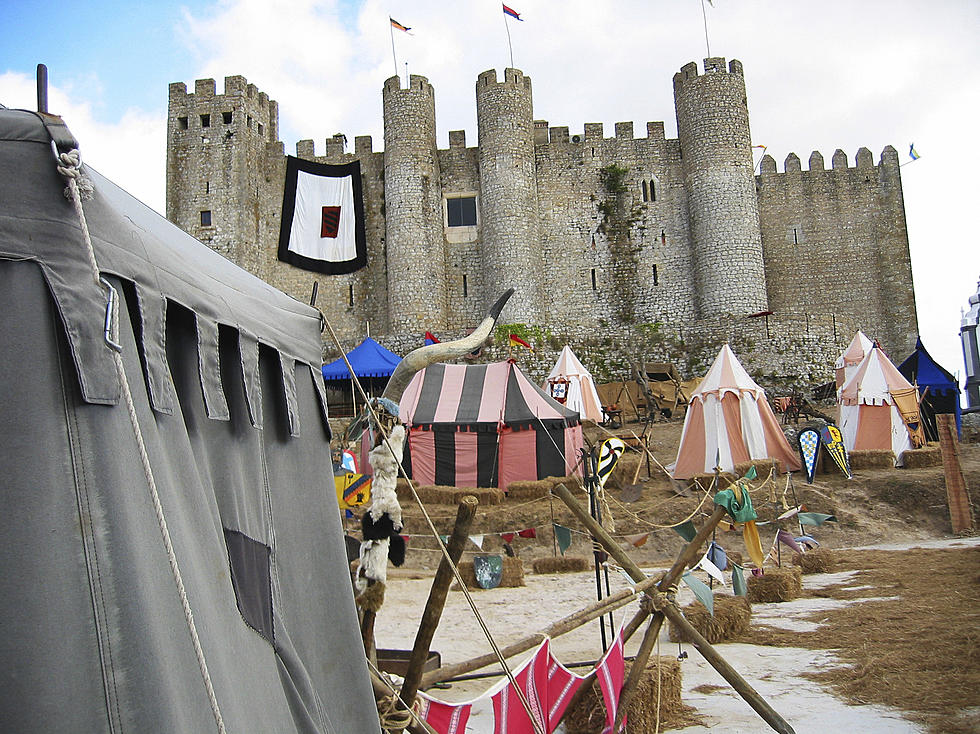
509	47
704	15
391	30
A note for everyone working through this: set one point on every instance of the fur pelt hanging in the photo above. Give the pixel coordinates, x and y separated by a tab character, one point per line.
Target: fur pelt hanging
382	523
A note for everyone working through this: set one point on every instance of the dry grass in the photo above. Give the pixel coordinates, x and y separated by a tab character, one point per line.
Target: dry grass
919	458
818	560
778	584
919	652
561	564
642	712
731	618
871	459
512	574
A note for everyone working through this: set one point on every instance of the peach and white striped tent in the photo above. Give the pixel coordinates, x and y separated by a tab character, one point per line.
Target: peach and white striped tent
729	421
850	358
875	404
581	394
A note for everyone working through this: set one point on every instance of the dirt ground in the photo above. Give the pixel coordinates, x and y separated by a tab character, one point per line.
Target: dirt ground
893	633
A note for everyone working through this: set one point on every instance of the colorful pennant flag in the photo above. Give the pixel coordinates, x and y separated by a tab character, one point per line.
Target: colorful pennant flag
398	26
507	537
430	339
815	518
322	226
701	591
913	153
738	581
528	533
512	13
477	540
639	540
751	473
563	536
686	530
711	569
516	341
717	555
787	539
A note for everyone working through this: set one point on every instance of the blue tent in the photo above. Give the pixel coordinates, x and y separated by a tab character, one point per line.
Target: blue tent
369	359
943	395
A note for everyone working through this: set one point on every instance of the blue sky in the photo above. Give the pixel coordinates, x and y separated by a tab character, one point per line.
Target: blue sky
820	76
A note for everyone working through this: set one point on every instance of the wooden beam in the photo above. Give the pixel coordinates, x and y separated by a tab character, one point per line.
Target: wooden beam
957	494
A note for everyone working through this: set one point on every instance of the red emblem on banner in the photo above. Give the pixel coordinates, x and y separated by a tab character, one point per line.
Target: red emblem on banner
329	221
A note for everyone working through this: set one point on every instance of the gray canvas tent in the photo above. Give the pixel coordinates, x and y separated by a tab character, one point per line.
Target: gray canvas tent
224	372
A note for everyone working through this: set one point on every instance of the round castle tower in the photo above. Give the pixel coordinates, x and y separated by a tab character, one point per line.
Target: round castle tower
416	259
716	149
508	193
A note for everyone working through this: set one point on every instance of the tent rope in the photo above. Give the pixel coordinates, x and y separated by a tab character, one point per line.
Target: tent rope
79	187
442	546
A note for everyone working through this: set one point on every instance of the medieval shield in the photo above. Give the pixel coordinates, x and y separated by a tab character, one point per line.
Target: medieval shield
489	570
353	490
809	441
833	441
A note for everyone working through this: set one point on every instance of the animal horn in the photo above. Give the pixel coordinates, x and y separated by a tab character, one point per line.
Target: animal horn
424	356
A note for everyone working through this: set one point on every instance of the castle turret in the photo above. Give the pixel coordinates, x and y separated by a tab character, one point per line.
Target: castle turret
970	338
508	192
217	149
416	258
716	150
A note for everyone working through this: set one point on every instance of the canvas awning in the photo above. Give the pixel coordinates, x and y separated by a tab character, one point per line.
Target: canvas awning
368	359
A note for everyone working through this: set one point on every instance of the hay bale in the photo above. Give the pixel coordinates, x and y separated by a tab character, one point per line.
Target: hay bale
435	494
778	584
589	715
735	557
402	488
626	468
923	457
762	467
731	618
871	459
529	489
512	574
818	560
561	564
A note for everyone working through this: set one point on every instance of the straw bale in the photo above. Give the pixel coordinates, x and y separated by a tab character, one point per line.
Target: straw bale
731	618
561	564
625	469
921	458
589	715
512	575
529	489
871	459
778	584
818	560
435	494
762	467
402	490
735	557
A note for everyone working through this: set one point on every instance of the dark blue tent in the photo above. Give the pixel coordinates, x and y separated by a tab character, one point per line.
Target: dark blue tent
943	395
369	359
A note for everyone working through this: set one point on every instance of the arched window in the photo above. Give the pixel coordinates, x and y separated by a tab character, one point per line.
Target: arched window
644	186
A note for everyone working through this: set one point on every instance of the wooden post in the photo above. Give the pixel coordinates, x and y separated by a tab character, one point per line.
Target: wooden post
957	493
684	559
437	598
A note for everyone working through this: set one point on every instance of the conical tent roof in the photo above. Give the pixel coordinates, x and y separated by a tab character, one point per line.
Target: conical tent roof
940	390
851	357
874	381
582	394
729	422
369	359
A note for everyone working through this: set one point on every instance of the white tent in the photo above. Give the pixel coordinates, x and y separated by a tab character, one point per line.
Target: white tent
579	393
729	421
850	358
872	404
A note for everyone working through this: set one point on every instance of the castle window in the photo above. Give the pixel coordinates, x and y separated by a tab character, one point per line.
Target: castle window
653	190
226	118
260	129
206	218
248	121
465	289
350	295
593	280
205	120
182	123
644	186
656	279
207	187
461	211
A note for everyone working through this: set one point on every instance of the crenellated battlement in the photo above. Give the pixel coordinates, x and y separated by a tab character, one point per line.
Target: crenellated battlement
715	65
241	108
863	160
512	77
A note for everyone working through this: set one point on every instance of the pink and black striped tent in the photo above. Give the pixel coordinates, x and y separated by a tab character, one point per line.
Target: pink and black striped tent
485	425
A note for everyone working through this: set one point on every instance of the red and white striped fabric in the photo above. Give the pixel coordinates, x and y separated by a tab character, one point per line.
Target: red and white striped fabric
611	672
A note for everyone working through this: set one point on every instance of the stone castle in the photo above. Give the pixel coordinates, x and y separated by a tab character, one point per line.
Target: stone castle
625	247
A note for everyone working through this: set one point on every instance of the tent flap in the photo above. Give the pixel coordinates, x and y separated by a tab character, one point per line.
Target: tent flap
153	316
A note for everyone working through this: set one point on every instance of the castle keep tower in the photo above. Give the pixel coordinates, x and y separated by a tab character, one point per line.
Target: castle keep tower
416	258
716	150
508	192
216	152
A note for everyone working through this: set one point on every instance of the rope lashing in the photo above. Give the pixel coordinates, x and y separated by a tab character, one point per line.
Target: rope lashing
392	716
79	187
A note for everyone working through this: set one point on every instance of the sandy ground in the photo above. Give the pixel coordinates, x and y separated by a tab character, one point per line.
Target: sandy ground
511	613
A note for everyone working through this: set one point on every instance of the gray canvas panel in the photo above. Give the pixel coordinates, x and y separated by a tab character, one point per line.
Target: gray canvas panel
289	390
321	392
425	409
153	316
471	396
248	347
209	365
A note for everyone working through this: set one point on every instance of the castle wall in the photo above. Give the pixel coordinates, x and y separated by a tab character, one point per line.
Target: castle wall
835	242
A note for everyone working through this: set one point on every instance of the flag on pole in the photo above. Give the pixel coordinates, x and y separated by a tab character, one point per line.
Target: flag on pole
430	339
399	26
516	341
913	153
511	12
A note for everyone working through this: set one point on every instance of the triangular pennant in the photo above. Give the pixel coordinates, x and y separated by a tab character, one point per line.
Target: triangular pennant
477	540
638	540
444	539
563	536
809	443
750	535
738	581
787	539
717	555
807	541
701	591
528	533
508	537
711	569
686	530
751	473
789	513
815	518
